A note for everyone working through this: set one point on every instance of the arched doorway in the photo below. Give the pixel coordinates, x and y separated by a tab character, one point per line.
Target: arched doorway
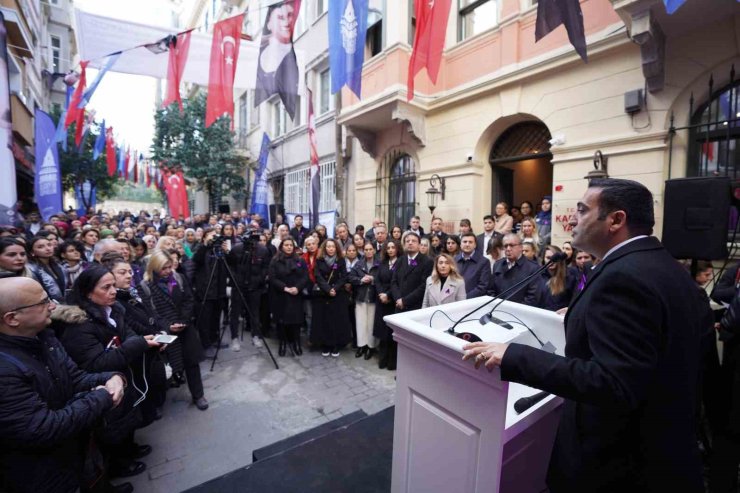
396	189
521	164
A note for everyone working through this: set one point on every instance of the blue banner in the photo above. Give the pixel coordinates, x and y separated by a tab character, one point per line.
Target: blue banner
260	190
48	180
99	142
347	30
88	94
86	196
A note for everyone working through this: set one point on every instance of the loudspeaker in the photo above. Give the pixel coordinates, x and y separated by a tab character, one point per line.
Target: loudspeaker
276	209
224	209
696	217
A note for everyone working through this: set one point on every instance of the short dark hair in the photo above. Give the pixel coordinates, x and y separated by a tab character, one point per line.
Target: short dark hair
85	284
629	196
488	216
468	235
62	247
297	216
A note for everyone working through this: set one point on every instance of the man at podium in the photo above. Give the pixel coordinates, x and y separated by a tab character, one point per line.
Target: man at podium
629	374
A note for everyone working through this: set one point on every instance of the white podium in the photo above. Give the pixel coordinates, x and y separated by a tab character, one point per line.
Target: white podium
455	429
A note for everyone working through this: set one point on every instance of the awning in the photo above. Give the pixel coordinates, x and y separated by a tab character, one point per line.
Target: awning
98	36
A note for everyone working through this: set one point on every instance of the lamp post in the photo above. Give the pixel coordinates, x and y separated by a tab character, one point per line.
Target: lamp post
433	193
599	170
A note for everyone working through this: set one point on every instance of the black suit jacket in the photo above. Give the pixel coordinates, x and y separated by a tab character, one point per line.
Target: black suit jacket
629	377
299	235
409	282
503	278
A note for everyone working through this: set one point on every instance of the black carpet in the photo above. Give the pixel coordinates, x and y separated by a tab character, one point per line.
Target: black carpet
354	458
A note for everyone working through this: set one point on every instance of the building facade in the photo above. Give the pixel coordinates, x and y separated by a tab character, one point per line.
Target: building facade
512	120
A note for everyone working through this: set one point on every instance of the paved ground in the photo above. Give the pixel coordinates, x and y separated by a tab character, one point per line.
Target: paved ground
253	405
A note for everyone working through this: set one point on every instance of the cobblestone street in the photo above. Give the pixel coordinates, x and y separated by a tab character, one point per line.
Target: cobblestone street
253	405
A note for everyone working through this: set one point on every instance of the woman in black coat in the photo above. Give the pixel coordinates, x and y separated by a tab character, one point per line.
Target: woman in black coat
140	318
384	304
97	339
288	276
170	297
330	327
557	285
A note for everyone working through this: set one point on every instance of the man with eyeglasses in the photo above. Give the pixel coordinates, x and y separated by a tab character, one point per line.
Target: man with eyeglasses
47	404
510	270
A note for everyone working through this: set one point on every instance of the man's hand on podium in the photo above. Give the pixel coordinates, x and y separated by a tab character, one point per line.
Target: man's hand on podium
490	353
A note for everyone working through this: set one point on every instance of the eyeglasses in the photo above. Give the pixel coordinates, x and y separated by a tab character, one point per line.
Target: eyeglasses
45	301
512	245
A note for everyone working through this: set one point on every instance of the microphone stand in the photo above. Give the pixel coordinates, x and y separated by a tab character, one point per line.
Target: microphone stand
510	292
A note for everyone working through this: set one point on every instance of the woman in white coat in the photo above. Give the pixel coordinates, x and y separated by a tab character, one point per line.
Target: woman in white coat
445	285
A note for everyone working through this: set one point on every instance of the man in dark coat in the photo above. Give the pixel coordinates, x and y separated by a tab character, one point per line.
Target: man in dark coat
410	278
512	269
298	231
249	262
46	402
724	291
475	268
632	356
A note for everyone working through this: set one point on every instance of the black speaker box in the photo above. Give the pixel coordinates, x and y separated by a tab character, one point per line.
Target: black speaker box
224	209
276	209
696	217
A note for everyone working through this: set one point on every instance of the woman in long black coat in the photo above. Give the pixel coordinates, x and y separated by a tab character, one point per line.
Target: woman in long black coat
288	276
171	298
385	304
98	340
330	325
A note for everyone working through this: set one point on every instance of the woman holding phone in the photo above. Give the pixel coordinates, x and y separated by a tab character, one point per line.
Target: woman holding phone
169	295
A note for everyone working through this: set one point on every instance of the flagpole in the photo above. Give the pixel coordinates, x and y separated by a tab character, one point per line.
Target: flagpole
339	157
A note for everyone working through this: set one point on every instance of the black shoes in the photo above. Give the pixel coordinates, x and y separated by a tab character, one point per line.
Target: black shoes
121	488
176	380
132	469
369	353
361	351
201	403
281	349
140	451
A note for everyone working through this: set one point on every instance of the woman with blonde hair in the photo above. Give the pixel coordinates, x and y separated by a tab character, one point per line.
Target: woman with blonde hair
445	285
170	296
528	231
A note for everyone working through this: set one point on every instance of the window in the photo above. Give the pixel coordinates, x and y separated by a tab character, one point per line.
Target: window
395	189
279	119
254	117
476	16
56	53
321	7
241	130
714	136
298	194
326	101
374	37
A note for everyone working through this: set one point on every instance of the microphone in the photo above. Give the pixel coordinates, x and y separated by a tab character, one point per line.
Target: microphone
508	293
525	403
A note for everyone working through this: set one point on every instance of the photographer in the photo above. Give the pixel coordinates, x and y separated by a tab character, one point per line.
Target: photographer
210	297
249	261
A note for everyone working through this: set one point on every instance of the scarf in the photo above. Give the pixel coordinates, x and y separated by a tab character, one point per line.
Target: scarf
166	284
330	261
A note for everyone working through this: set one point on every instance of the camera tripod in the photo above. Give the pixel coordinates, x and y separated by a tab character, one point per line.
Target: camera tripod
219	256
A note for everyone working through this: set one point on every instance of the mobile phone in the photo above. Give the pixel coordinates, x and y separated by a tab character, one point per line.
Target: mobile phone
165	339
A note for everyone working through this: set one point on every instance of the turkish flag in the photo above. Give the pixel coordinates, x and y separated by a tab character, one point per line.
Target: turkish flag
224	55
179	47
79	126
148	173
73	111
429	39
184	208
110	152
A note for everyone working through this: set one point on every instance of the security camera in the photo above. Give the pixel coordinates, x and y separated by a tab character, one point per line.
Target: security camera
557	140
470	156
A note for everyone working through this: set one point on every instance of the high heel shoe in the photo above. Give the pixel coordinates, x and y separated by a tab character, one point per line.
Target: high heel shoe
281	350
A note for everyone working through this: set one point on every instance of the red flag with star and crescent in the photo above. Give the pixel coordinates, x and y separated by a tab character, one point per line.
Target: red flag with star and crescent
110	152
224	55
73	112
429	39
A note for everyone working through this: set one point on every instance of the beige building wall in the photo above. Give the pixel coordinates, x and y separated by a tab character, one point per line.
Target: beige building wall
583	102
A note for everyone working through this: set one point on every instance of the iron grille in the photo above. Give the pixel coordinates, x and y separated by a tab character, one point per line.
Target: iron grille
522	141
395	189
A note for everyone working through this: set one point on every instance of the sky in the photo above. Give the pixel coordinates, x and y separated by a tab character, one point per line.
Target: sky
125	101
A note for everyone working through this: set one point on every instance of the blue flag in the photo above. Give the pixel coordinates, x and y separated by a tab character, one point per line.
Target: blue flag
99	142
86	197
672	5
61	131
121	160
347	30
48	179
259	191
88	94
